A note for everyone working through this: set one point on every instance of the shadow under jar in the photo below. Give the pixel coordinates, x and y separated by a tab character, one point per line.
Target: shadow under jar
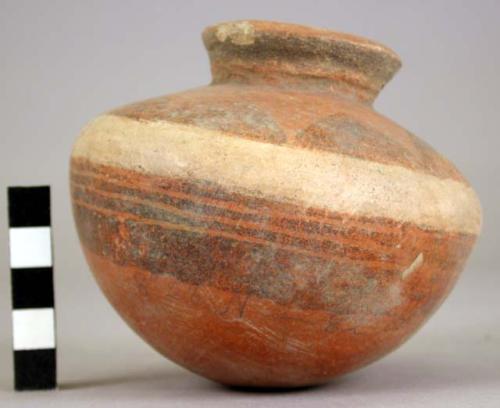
272	229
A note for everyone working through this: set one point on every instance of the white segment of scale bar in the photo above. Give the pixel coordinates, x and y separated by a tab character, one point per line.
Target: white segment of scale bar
30	247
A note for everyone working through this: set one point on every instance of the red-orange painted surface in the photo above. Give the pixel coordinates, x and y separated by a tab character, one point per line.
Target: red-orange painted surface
252	290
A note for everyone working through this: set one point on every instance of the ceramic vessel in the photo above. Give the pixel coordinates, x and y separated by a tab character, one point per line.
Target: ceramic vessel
272	229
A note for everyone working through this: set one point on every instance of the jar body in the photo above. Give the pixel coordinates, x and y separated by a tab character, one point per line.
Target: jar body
271	229
265	237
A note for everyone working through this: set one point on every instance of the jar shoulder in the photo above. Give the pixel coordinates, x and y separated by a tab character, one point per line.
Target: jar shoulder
303	120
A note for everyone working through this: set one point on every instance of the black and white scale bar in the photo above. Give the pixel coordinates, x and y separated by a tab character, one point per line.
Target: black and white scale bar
33	319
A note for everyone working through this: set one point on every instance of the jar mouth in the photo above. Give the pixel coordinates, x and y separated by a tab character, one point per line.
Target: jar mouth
302	51
245	32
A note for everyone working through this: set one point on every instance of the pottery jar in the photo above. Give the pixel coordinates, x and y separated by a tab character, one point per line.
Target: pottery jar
272	229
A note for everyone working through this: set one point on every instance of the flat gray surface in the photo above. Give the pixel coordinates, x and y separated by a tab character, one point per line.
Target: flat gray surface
62	63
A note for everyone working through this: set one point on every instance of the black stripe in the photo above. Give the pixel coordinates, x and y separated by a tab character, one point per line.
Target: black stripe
32	287
35	369
29	206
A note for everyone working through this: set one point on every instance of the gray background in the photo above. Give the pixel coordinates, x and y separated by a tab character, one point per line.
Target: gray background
62	63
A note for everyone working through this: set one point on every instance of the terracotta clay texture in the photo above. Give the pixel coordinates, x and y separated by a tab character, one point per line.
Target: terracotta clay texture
272	229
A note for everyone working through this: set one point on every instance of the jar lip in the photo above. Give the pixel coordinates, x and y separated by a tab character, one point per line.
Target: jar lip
246	32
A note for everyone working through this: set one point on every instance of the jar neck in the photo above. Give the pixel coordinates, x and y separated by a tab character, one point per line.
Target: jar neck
341	84
296	57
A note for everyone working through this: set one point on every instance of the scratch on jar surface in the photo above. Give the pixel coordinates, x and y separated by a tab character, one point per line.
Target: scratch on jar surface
416	264
234	313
